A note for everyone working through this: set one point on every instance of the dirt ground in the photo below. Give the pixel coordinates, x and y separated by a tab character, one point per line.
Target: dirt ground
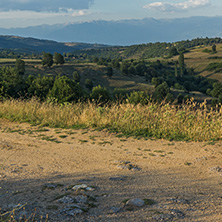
180	181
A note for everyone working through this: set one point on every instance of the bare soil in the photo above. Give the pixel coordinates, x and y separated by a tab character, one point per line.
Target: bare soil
182	178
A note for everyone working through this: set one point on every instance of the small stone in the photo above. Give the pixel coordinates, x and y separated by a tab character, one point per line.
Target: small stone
89	189
136	202
216	169
81	186
81	199
115	210
74	212
50	186
177	213
183	201
163	217
66	200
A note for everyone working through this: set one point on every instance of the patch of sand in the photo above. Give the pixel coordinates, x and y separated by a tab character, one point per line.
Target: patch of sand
176	175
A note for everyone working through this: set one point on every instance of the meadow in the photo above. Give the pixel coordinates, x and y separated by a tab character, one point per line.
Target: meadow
190	122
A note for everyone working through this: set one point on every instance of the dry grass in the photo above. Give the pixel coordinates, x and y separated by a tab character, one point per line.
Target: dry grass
189	122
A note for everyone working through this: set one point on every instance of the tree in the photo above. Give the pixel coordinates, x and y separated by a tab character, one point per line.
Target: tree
47	59
161	92
20	66
39	86
65	90
76	76
173	51
58	58
89	84
214	48
109	72
182	64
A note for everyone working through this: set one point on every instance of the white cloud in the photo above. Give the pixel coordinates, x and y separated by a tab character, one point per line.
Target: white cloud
44	5
175	7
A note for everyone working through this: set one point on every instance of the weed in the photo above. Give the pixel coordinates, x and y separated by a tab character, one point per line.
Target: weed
152	154
187	164
149	202
63	136
83	141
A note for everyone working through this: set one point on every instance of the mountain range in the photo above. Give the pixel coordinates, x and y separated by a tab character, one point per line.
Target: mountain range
125	32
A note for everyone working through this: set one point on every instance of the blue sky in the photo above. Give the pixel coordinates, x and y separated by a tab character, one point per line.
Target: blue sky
23	13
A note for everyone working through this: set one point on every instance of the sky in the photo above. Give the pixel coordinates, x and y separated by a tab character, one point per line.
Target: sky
24	13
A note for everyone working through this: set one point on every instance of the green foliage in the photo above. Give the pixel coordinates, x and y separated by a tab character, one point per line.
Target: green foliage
161	92
214	48
47	59
181	64
58	58
39	86
109	72
215	66
11	83
89	84
138	97
173	51
119	94
65	90
217	90
20	66
100	94
76	76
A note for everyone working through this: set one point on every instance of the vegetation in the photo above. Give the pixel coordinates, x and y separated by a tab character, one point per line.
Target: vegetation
191	121
74	79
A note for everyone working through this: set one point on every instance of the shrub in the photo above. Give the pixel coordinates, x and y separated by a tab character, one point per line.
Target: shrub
100	94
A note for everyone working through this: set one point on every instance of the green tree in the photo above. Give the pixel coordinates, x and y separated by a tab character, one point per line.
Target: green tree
161	92
47	59
65	90
109	71
39	86
20	66
173	51
100	94
89	84
214	48
182	65
76	76
11	83
58	58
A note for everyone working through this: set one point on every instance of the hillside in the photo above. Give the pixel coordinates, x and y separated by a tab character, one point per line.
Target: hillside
33	45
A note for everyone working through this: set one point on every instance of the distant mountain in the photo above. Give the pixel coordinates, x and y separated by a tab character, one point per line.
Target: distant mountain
30	45
125	32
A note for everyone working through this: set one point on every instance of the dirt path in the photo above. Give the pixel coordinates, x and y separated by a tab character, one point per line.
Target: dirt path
179	181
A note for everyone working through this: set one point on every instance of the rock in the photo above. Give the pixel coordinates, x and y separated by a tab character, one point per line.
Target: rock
163	217
127	165
74	212
50	186
81	186
216	169
66	199
81	199
115	210
89	189
136	202
177	213
183	201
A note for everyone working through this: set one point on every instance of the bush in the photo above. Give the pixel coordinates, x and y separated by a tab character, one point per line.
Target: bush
138	97
100	94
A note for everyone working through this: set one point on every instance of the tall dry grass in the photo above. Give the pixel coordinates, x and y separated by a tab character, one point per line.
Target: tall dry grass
189	122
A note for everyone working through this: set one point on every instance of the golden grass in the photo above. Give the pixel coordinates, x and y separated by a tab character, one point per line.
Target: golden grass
189	122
